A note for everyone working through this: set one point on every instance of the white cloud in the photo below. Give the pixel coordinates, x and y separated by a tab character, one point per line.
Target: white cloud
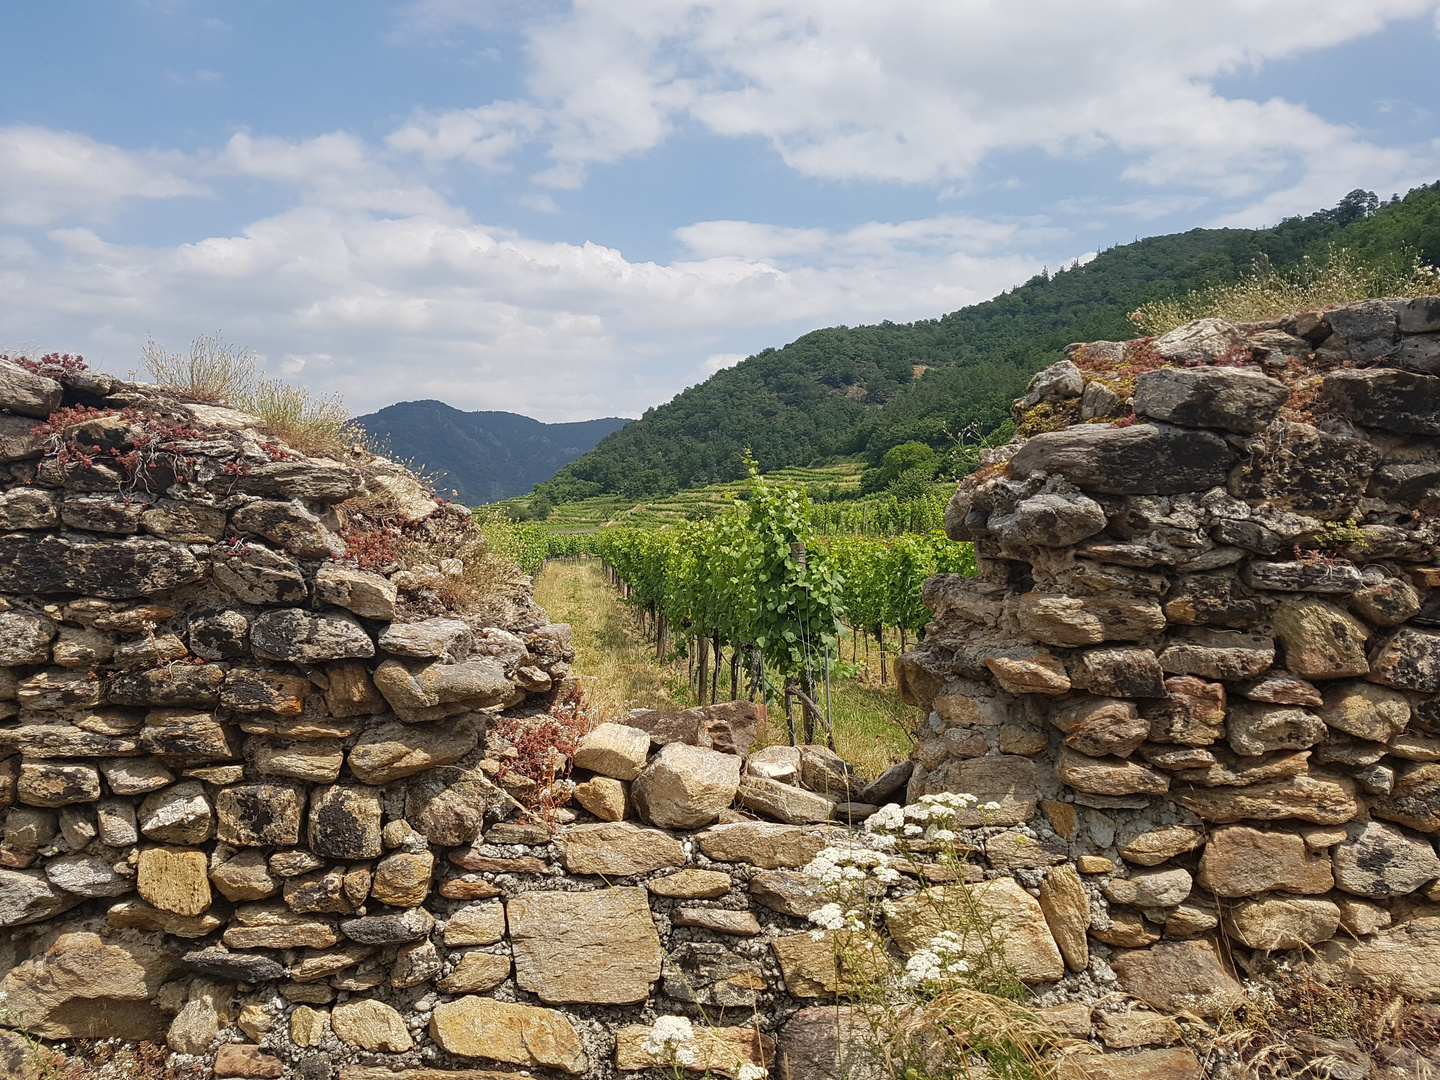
48	175
924	91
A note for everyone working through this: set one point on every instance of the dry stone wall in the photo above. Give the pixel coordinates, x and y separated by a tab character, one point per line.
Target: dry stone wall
1200	664
263	741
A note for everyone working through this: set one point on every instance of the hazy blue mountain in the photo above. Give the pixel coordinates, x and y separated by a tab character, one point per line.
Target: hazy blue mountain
482	455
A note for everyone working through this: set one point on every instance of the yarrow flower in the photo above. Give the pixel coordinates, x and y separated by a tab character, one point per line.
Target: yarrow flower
835	917
751	1072
944	956
669	1039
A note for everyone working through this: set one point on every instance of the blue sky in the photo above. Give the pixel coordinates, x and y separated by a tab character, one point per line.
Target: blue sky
574	210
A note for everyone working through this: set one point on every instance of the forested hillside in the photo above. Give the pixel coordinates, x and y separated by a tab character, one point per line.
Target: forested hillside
866	389
483	456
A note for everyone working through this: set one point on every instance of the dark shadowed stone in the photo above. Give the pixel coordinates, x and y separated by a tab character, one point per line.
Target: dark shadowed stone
1385	398
1408	660
1415	799
1298	467
412	924
1143	459
1316	577
113	569
345	822
1410	483
811	1046
1234	399
220	635
1369	328
729	727
174	684
26	393
188	738
303	638
28	896
1119	672
220	963
1215	599
259	815
257	575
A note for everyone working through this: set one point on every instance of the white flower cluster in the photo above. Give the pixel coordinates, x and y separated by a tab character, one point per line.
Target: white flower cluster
926	819
944	956
670	1040
843	867
834	917
750	1071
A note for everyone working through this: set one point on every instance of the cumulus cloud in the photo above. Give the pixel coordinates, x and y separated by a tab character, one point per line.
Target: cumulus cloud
47	175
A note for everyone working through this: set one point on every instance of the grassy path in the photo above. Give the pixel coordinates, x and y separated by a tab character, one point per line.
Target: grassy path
619	672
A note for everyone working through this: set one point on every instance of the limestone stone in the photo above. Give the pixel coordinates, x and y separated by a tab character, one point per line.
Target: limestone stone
419	691
476	973
197	686
779	762
525	1035
1279	922
86	875
1067	913
53	785
476	924
25	638
188	738
1415	798
135	776
134	914
1038	674
691	885
370	1025
1222	655
178	814
1256	728
259	815
614	750
603	796
1050	519
1016	918
367	594
762	843
307	1026
84	987
318	762
412	924
1005	779
1109	776
174	879
1174	975
29	828
345	822
1241	861
257	575
786	892
808	964
1321	798
1234	399
392	751
597	947
717	1051
416	963
1119	672
1403	959
1192	713
1322	641
349	690
402	879
1154	846
1127	930
274	926
1150	888
288	864
1134	1028
116	824
1365	710
1141	459
434	638
1381	860
300	637
448	808
1098	727
784	802
618	849
718	920
685	787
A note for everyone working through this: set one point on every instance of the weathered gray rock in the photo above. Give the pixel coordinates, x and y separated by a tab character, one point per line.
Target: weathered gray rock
591	947
258	815
393	751
434	691
257	575
178	814
83	987
367	594
87	875
1149	888
26	393
1233	399
44	783
1299	468
784	802
1058	382
1415	798
1050	519
102	513
618	849
1241	861
221	963
1221	655
1322	798
1119	672
448	639
614	750
685	787
1141	459
28	508
28	896
1257	728
184	523
1199	342
1381	860
1365	710
304	638
1315	577
115	569
1385	398
1408	660
345	822
288	524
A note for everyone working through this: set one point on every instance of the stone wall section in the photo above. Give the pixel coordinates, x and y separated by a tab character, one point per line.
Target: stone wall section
1200	663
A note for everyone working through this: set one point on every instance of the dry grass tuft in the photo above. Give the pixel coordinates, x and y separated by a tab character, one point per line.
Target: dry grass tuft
218	372
1341	277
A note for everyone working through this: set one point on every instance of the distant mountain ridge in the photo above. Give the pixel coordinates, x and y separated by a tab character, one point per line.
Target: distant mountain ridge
484	456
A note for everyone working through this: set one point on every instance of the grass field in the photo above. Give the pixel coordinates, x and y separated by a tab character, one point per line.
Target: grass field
618	672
